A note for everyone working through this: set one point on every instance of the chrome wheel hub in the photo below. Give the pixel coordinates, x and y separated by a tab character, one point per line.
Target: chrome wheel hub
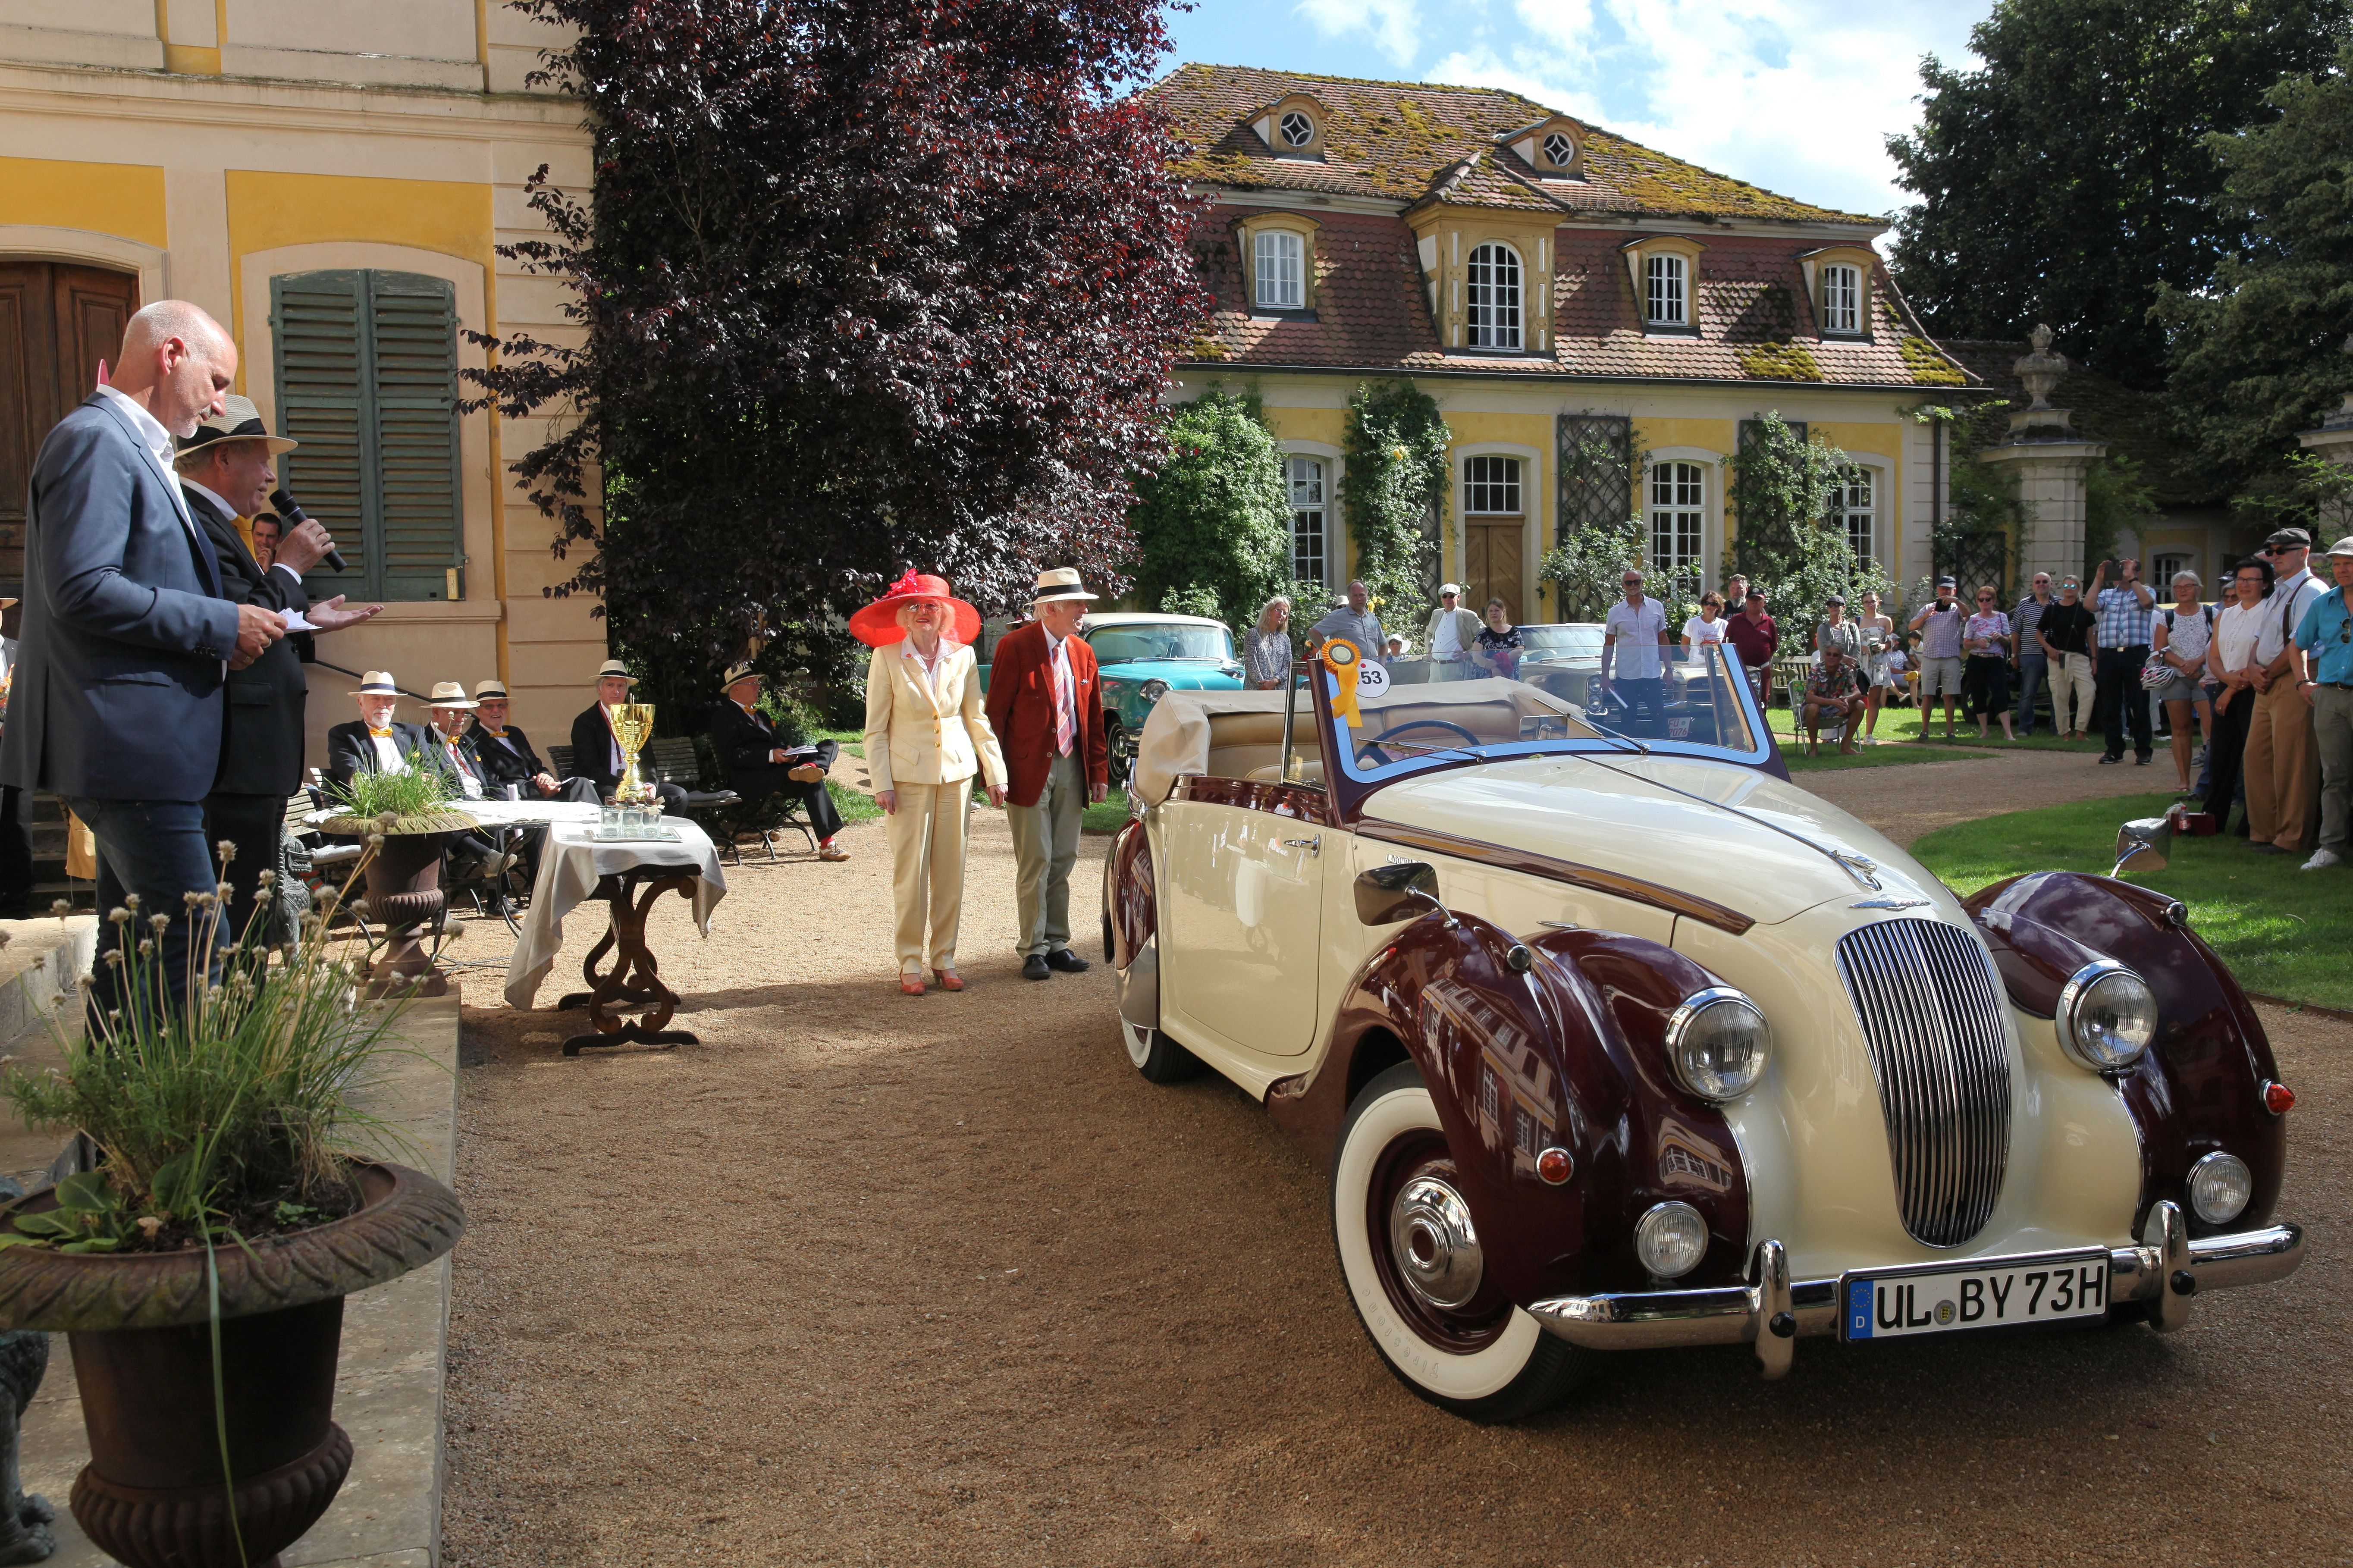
1435	1245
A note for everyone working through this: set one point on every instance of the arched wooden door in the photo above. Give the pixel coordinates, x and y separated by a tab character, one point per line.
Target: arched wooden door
57	320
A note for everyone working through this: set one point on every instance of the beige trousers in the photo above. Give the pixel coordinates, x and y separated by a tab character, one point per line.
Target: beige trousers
2072	690
927	837
2283	769
1045	848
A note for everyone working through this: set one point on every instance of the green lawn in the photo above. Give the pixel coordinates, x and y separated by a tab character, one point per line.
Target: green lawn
1107	816
2284	932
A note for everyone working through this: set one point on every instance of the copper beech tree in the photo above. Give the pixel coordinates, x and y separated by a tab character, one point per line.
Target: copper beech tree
865	285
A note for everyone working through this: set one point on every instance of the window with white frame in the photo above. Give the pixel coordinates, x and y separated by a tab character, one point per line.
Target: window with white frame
1298	130
1558	149
1666	288
1281	270
1494	286
1841	298
1678	522
1855	503
1491	485
1307	513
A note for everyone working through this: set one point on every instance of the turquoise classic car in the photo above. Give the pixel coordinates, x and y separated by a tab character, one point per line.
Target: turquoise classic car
1143	657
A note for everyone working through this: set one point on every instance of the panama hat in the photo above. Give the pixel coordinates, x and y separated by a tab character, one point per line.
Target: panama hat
1059	583
238	420
449	694
742	670
878	624
490	688
613	666
376	683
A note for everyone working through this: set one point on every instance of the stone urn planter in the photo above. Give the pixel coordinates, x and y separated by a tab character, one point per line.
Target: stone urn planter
153	1494
404	895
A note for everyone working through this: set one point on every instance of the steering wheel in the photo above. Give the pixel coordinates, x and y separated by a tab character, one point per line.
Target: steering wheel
1370	747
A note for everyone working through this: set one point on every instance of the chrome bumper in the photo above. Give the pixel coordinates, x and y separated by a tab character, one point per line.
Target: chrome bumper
2167	1269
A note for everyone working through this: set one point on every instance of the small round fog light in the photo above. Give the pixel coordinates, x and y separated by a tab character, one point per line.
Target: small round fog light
2220	1187
1670	1239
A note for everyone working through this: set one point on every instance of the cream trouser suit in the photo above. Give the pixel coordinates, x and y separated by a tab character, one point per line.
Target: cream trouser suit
926	735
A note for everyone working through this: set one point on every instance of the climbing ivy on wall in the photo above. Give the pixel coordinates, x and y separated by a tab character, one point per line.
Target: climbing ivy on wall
1394	492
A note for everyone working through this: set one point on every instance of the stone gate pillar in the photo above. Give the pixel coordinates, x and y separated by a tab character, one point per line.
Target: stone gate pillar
2333	441
2047	459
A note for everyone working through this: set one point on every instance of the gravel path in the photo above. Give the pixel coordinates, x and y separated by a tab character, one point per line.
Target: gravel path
1908	802
861	1280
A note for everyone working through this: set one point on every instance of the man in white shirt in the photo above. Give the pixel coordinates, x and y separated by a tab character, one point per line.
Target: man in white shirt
2232	655
2283	766
1634	656
1450	636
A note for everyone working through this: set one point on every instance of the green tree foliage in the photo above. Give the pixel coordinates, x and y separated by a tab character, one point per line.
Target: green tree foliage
2259	353
1590	562
1781	481
1213	525
2072	174
1395	491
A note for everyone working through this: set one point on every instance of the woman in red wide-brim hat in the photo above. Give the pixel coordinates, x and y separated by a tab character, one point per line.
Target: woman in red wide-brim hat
926	735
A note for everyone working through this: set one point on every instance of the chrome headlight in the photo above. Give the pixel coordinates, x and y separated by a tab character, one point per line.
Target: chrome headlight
2220	1185
1153	691
2107	1016
1717	1043
1670	1238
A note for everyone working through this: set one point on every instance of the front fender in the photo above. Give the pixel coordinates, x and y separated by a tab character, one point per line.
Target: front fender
2199	1087
1568	1054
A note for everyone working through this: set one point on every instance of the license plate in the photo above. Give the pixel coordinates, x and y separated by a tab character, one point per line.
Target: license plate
1888	1303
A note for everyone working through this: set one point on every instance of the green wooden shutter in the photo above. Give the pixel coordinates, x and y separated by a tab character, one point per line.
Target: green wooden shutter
367	367
414	323
321	402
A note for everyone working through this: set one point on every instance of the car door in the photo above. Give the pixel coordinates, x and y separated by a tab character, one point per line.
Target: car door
1241	897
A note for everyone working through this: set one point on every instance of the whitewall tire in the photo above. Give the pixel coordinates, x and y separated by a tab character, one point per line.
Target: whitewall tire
1414	1269
1159	1058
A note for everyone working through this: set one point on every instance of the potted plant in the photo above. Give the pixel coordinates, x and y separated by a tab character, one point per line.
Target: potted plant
407	817
235	1194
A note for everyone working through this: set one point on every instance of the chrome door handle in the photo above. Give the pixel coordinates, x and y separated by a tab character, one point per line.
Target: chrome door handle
1313	846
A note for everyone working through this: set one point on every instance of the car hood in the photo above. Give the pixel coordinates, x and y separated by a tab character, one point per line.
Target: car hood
1182	675
1733	845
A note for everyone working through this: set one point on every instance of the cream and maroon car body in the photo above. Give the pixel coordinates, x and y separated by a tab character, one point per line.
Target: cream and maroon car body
1458	940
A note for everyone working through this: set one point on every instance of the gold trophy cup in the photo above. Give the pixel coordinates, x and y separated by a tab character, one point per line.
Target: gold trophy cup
633	726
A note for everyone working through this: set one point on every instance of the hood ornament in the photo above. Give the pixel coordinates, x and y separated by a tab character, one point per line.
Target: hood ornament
1862	867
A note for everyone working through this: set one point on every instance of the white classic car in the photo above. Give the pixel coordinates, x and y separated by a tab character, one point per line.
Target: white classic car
1619	1041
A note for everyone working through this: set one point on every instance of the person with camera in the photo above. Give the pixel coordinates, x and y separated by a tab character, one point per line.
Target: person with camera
2123	617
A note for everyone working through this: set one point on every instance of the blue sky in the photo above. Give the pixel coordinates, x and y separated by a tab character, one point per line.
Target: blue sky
1793	95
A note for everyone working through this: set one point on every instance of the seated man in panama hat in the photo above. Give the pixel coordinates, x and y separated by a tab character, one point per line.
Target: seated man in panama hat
596	751
761	762
374	743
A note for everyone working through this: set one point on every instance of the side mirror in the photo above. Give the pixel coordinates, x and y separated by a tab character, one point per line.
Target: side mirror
1400	890
2145	842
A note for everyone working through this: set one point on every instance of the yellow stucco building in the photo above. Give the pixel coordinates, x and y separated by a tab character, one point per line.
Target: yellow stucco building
331	178
1551	286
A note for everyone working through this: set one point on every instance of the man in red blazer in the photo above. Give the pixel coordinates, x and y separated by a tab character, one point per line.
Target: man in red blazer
1046	705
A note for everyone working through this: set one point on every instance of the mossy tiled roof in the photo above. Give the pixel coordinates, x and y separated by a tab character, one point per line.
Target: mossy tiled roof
1398	140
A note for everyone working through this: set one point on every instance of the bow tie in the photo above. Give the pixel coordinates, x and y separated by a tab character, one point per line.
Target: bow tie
493	734
380	734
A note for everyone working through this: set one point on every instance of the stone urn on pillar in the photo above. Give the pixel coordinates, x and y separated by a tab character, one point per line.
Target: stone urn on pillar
404	894
2048	461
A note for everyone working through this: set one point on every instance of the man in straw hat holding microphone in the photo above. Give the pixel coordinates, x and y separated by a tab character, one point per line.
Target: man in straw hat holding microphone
1047	709
226	474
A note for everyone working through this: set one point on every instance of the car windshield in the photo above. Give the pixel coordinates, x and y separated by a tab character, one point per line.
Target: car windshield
1701	704
1567	639
1134	641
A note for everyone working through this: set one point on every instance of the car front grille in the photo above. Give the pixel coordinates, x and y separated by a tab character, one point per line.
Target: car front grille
1931	1012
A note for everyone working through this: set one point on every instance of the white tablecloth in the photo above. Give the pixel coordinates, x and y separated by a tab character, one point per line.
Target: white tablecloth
575	861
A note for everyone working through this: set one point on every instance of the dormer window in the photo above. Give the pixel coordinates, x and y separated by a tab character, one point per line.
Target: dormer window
1666	291
1292	126
1559	150
1494	277
1281	270
1298	130
1841	298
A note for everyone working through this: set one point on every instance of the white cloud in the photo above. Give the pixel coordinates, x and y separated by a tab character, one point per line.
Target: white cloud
1393	25
1794	95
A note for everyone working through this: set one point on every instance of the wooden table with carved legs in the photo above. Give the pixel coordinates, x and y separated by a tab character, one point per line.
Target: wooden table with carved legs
634	982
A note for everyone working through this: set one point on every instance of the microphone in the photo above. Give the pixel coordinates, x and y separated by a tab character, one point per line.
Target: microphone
287	509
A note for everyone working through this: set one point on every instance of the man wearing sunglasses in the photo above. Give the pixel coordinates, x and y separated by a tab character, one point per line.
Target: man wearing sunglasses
2282	773
2125	612
2325	638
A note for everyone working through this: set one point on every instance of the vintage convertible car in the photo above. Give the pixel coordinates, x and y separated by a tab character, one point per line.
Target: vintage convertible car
1617	1042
